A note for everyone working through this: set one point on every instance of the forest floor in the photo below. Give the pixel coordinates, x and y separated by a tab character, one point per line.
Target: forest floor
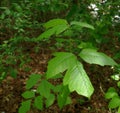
11	89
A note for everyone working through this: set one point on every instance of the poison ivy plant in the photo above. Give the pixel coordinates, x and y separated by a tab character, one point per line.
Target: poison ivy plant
66	66
44	94
57	26
93	57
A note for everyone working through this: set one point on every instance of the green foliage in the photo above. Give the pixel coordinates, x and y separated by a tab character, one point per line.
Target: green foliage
54	22
46	94
63	97
112	94
114	97
11	57
74	76
28	94
93	57
38	103
77	80
33	79
25	107
82	24
57	26
24	19
60	63
44	88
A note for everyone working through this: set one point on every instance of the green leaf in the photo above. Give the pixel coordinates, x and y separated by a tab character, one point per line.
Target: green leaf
60	63
57	88
58	76
47	34
38	103
77	80
68	101
25	107
63	96
50	100
28	94
116	77
13	73
44	88
118	84
119	109
111	93
54	22
93	57
84	45
34	78
114	103
111	89
60	28
56	30
53	27
82	24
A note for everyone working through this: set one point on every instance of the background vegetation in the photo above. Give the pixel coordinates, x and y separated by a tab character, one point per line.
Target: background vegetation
85	31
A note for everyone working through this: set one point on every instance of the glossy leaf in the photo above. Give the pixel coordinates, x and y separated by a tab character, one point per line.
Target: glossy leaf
93	57
77	80
60	63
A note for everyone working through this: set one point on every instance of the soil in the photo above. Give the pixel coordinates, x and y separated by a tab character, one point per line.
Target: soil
11	89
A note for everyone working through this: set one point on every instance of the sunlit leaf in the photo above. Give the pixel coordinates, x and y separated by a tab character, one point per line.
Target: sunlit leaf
56	30
54	22
93	57
60	63
77	80
82	24
53	27
60	28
